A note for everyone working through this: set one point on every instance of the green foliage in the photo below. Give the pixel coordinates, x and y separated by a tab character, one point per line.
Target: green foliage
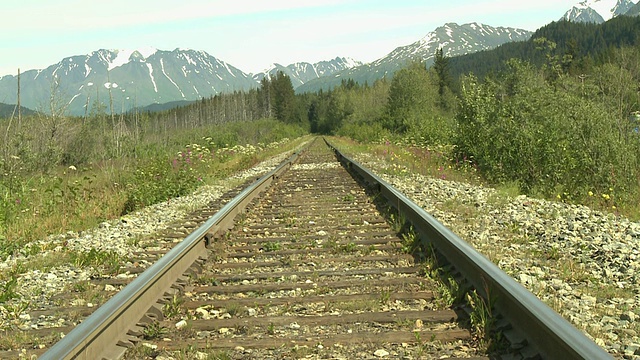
410	242
579	46
482	318
8	290
349	110
271	246
163	177
410	97
522	128
349	247
415	105
154	330
442	69
173	307
81	147
282	100
560	125
450	291
108	260
363	132
160	180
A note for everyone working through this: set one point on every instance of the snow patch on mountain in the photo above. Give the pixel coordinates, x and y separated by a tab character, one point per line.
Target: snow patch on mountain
124	56
597	11
73	98
302	72
452	38
170	79
153	80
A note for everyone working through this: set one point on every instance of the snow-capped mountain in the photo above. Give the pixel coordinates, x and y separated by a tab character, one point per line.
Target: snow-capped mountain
134	77
597	11
634	11
140	77
454	40
302	72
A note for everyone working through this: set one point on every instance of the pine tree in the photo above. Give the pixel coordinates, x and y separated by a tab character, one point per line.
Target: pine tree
441	67
283	98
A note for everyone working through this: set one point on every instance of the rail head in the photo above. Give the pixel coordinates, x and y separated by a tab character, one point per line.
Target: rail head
96	336
548	332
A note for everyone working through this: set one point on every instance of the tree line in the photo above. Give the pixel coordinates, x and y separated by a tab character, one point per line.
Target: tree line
534	113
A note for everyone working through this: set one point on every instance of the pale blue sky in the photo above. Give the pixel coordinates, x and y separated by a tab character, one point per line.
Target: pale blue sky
247	34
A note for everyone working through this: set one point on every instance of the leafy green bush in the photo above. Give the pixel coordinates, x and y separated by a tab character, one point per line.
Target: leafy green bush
363	132
158	181
548	139
415	106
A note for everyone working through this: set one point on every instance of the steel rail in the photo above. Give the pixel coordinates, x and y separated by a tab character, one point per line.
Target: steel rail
549	333
97	335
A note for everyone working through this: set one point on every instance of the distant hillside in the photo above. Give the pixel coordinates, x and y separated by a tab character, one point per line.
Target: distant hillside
634	11
452	38
7	110
579	39
133	77
164	106
302	72
146	76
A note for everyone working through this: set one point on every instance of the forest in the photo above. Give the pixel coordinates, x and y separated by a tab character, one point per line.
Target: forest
556	117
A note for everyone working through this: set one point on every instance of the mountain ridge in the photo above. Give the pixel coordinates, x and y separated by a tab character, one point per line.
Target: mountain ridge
302	72
161	77
597	11
137	78
470	37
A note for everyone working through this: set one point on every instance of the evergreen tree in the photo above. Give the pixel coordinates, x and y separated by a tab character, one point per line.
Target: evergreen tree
283	98
441	67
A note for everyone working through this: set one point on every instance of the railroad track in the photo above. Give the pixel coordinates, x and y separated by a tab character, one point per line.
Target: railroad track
68	308
313	269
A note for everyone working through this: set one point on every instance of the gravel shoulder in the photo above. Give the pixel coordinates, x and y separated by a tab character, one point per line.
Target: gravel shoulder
40	277
582	263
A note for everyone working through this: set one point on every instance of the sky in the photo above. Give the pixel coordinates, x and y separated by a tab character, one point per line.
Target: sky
248	34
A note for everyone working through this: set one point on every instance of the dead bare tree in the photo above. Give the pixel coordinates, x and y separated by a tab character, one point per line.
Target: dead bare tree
19	104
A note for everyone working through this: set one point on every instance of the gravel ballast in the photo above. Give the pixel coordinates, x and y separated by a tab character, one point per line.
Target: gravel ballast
36	289
583	263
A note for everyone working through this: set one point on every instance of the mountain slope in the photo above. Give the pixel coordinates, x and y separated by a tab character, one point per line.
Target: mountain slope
134	77
597	11
302	72
634	11
142	77
582	40
454	39
9	110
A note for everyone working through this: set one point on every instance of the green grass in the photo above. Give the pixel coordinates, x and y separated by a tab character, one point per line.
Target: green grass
270	246
65	198
154	330
440	162
173	307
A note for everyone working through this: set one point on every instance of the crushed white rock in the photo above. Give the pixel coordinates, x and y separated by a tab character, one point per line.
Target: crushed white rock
583	263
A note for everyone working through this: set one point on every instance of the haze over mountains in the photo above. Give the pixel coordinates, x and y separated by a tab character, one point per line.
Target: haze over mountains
137	78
